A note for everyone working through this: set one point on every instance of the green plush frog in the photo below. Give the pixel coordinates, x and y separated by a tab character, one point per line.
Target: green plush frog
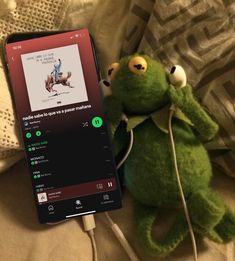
143	91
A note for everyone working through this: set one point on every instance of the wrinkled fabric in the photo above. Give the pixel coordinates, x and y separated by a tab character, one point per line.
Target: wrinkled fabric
119	27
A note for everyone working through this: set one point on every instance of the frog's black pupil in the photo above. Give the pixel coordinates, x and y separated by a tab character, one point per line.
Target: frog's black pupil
173	69
138	66
110	71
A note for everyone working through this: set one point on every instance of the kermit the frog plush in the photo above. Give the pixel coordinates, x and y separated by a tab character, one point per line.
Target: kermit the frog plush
141	89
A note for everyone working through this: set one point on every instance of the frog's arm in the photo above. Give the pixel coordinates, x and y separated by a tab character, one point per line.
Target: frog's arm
183	98
118	132
121	139
114	111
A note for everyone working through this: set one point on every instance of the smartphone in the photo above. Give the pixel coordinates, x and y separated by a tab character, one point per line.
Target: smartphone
54	80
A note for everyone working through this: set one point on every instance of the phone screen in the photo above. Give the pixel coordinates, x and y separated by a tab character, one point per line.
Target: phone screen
60	108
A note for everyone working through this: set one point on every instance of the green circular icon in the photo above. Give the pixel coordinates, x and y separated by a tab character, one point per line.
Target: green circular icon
35	176
28	135
29	149
32	162
97	122
38	133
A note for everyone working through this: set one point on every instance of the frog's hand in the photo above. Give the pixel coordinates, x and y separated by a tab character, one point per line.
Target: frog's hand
118	129
184	99
145	217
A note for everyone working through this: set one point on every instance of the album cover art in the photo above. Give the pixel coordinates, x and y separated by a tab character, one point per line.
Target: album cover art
54	77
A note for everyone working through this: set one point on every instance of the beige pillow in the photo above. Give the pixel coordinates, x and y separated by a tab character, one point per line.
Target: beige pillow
41	15
9	135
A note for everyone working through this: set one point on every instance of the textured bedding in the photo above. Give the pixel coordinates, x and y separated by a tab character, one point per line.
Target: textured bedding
41	15
205	33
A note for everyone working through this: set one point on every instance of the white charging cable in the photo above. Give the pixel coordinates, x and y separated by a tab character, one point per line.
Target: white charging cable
115	228
89	222
89	226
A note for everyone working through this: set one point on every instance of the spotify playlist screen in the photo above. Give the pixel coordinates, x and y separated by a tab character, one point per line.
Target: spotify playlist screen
60	108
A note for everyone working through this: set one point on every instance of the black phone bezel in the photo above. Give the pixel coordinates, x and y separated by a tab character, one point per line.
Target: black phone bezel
22	36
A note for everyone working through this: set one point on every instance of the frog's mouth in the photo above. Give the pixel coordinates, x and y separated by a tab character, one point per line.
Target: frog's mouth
143	112
132	107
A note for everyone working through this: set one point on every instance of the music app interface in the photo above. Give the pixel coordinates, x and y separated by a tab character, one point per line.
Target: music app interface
60	108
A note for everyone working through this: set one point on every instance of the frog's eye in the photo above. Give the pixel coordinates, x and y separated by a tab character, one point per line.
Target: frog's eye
112	70
177	76
137	65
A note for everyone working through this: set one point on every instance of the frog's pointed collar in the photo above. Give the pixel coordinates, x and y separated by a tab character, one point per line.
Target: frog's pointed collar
159	117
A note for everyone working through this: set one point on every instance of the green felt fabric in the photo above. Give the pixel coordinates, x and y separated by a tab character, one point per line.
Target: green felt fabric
149	170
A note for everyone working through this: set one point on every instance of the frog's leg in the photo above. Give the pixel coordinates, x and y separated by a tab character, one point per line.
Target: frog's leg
226	227
145	217
206	210
211	217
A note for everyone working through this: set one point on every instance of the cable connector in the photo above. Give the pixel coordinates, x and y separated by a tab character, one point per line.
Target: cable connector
122	240
89	225
88	222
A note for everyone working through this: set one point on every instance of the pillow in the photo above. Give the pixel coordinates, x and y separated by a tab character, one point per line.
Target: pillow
9	135
200	36
41	15
7	6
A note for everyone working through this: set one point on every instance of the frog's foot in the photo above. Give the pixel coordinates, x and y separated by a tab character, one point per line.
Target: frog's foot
206	210
214	236
145	217
226	228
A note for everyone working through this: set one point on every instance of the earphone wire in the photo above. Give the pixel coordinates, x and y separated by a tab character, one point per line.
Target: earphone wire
122	239
172	110
128	149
